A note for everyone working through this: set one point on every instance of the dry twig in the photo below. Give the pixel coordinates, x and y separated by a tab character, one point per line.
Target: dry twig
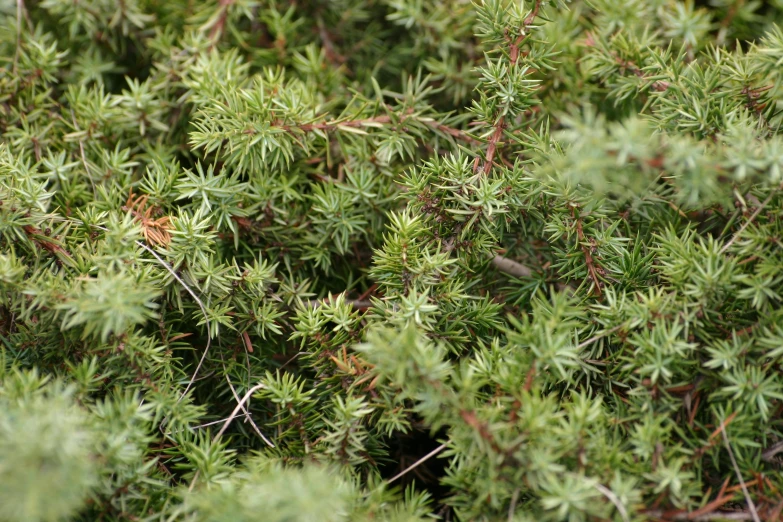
750	220
751	505
418	462
511	267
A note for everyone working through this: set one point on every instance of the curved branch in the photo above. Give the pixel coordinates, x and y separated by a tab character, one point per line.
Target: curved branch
511	267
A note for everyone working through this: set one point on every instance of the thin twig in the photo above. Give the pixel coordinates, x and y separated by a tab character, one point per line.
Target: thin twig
513	506
598	336
248	416
750	219
707	517
418	462
198	302
751	505
712	507
717	515
238	407
768	455
193	482
591	269
207	424
608	493
292	359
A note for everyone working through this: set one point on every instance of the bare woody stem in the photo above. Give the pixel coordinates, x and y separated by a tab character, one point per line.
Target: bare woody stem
376	120
511	267
591	265
514	52
216	32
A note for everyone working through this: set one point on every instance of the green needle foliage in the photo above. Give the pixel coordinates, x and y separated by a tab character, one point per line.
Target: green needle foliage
391	260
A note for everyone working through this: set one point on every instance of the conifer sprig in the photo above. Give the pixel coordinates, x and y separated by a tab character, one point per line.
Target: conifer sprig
391	260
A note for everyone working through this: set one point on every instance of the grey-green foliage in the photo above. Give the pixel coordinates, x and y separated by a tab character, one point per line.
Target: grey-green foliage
259	258
48	469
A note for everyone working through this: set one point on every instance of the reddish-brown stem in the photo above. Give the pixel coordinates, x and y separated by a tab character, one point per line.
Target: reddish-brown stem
514	53
482	428
731	13
531	373
248	344
217	30
591	269
331	52
517	43
710	507
369	292
38	237
493	145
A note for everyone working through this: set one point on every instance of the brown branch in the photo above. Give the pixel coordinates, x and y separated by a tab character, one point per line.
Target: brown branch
511	267
331	52
451	131
731	14
369	292
217	29
38	237
531	374
591	269
248	344
493	145
523	34
720	500
470	418
716	515
513	53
